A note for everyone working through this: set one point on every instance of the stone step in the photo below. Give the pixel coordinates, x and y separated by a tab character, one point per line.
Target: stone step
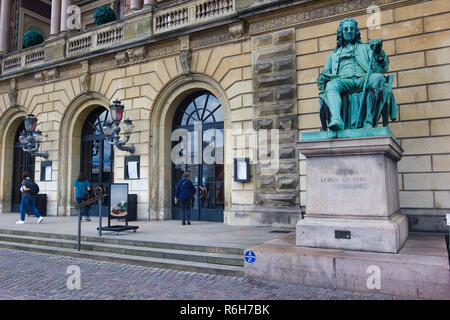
182	265
135	243
205	257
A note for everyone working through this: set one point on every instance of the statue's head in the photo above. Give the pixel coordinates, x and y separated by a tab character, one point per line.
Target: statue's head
348	32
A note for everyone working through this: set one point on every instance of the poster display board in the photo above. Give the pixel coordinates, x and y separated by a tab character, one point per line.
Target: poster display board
118	200
118	209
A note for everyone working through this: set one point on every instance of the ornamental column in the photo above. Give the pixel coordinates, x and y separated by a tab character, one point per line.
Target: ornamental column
136	5
150	3
64	5
5	22
55	26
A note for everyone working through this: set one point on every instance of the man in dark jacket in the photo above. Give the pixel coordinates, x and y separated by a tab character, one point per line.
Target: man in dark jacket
184	192
28	199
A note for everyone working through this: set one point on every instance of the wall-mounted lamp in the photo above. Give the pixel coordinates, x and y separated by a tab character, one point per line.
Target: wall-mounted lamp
31	139
112	130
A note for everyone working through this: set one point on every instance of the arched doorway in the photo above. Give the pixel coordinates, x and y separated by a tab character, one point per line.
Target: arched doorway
197	147
22	161
97	155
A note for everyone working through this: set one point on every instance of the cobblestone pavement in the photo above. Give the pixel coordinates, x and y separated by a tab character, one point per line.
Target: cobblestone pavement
30	275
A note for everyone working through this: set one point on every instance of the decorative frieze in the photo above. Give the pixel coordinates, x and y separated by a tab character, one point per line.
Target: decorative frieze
304	16
237	30
13	93
164	51
185	59
85	78
46	75
211	40
131	55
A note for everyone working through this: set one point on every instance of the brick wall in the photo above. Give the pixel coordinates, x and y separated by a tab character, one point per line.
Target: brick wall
417	41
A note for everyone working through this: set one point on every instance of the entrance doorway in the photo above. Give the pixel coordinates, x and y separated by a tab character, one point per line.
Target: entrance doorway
97	155
22	161
198	131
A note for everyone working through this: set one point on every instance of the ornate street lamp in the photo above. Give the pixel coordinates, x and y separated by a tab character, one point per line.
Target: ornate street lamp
112	130
31	138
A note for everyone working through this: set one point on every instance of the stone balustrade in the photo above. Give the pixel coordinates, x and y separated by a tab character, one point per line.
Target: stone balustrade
191	13
12	63
213	8
34	57
172	19
27	58
80	44
143	24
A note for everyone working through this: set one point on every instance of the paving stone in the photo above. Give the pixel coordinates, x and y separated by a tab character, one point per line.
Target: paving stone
31	275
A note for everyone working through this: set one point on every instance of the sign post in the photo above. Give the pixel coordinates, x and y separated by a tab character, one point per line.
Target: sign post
99	217
79	230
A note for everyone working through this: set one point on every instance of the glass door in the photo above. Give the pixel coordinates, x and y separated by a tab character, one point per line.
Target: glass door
200	116
22	161
97	156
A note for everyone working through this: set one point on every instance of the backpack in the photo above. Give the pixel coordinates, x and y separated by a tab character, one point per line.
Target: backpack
34	190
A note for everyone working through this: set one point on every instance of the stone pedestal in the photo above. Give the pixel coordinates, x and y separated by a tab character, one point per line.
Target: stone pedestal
352	199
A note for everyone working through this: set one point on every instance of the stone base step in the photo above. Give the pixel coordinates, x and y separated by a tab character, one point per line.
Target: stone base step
214	258
152	254
134	243
419	270
129	259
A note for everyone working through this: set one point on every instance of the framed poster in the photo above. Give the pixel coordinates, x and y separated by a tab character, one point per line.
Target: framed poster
132	164
46	171
118	200
241	169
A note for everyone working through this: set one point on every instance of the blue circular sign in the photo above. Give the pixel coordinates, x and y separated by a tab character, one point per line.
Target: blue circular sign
250	256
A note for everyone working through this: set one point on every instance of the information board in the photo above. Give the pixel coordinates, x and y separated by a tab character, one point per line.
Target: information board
118	200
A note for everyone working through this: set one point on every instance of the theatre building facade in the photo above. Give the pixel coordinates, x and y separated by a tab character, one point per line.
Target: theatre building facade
206	82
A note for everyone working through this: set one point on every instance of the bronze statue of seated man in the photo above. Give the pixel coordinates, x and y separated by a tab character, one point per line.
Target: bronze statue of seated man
354	93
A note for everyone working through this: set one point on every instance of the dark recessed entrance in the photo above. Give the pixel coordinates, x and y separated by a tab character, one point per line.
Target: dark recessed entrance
200	116
97	155
22	161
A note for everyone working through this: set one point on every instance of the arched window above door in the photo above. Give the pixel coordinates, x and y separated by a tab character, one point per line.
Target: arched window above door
199	106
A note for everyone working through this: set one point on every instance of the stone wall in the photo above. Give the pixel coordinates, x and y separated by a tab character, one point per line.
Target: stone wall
266	69
416	39
274	80
137	77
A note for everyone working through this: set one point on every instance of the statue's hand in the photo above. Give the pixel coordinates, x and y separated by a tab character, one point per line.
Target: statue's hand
376	45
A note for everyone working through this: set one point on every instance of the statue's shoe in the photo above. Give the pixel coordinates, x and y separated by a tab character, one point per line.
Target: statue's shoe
336	125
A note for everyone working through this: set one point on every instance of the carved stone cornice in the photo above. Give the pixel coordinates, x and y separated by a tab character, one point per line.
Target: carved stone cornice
46	75
237	30
13	93
131	55
85	78
326	10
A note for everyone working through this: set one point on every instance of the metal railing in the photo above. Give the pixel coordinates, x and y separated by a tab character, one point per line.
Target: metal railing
100	193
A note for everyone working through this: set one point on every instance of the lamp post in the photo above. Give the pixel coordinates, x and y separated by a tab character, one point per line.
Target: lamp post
31	139
112	130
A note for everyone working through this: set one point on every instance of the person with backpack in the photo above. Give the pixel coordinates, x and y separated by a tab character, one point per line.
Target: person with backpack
184	192
29	190
81	188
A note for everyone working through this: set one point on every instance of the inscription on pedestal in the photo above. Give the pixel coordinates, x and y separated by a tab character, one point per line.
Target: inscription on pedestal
345	178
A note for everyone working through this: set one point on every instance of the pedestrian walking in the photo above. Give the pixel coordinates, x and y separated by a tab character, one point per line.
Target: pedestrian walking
81	188
185	192
29	190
